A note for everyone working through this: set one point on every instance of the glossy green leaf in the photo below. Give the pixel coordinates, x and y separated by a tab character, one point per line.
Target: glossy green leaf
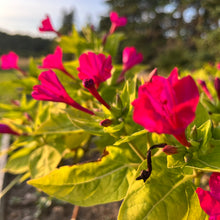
103	181
167	194
43	160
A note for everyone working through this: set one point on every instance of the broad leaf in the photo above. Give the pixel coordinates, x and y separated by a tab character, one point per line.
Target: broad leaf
167	194
43	160
103	181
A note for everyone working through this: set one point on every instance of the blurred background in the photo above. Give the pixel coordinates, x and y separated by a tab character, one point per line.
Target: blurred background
168	32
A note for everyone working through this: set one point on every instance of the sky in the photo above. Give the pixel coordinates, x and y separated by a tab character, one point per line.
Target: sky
24	16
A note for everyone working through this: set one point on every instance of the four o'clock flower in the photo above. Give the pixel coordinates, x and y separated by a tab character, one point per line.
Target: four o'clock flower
116	21
93	70
210	200
217	86
167	105
54	61
46	26
204	88
5	129
51	89
10	61
130	58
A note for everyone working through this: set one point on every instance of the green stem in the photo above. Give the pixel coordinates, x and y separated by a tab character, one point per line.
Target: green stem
139	154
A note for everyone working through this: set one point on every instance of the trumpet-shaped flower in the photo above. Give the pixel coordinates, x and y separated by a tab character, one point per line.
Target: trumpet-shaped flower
94	66
54	61
46	26
210	200
116	21
5	129
10	61
167	105
130	58
51	89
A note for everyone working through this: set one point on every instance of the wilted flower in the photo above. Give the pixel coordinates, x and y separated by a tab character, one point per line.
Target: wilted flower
130	58
116	21
5	129
46	26
217	86
51	89
54	61
10	61
204	88
94	66
210	200
167	105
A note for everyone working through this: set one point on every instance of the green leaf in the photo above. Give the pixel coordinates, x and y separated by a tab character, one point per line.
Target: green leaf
167	194
43	160
88	184
18	161
57	123
85	121
113	42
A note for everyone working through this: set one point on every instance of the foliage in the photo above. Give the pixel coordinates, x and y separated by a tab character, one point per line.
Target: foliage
88	159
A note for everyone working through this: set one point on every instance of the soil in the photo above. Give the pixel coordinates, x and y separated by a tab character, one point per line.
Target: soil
24	202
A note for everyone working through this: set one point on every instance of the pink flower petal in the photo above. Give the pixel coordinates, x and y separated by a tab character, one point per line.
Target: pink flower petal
9	61
96	67
46	25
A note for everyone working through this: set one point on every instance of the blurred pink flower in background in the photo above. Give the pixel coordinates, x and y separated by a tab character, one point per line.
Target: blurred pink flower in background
5	129
51	89
210	200
130	58
167	105
46	26
10	61
116	21
218	66
204	88
95	66
54	61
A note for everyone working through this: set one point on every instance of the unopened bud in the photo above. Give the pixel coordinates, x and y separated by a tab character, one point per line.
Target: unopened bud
28	117
15	102
204	88
88	83
106	122
217	86
169	150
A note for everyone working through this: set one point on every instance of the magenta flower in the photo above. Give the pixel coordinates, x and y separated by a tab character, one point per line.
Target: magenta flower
10	61
51	89
210	200
94	66
54	61
204	88
116	21
130	58
218	66
5	129
46	26
167	105
217	86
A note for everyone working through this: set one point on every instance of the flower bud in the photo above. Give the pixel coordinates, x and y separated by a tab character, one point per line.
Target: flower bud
106	122
169	150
